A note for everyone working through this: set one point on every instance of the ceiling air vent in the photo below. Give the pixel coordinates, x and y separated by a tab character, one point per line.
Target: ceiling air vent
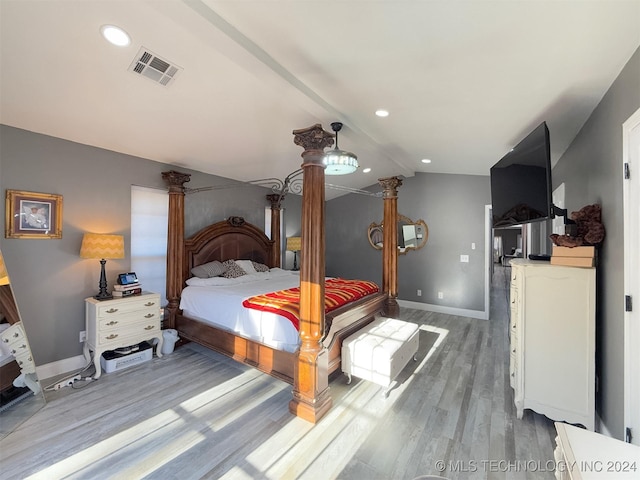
153	67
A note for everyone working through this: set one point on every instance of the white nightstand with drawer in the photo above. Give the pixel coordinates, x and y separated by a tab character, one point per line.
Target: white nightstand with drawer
119	323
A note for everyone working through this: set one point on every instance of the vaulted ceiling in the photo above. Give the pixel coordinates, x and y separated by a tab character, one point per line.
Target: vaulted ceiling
463	81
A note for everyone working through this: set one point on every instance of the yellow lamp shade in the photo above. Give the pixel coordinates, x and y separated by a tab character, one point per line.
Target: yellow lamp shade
294	244
95	245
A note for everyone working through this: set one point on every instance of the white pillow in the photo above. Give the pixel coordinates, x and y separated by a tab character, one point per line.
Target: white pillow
246	265
223	281
206	270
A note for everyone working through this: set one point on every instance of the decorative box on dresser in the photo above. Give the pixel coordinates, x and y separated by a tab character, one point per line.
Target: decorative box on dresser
552	339
119	323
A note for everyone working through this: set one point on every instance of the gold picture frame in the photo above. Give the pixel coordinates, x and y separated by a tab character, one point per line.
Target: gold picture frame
33	215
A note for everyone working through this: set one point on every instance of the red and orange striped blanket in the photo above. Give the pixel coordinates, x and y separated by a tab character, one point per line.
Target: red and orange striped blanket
337	292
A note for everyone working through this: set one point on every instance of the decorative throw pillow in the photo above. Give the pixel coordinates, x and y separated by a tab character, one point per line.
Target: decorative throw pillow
247	266
207	270
233	270
260	267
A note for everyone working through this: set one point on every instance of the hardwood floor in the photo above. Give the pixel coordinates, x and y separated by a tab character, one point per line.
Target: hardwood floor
196	414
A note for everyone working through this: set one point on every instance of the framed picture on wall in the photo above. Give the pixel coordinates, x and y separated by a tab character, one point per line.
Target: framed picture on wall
33	215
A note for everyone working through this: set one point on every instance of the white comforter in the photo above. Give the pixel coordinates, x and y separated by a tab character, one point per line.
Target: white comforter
218	301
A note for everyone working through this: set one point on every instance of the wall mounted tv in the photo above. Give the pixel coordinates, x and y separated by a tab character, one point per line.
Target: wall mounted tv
521	182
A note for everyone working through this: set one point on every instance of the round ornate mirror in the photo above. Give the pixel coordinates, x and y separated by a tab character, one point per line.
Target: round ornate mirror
411	235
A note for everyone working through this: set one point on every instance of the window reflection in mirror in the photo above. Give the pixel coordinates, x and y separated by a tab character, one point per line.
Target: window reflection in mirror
411	235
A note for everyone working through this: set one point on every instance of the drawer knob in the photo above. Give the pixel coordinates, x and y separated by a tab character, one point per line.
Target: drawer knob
5	340
112	322
149	327
112	310
112	336
149	304
150	315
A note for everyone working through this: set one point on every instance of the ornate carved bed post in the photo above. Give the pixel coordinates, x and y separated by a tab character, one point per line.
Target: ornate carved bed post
311	398
175	241
276	200
390	244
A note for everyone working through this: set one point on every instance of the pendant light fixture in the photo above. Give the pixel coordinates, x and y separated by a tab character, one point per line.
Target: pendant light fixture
339	162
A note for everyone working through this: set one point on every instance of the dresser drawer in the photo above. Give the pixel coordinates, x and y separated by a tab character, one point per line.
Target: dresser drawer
150	303
122	321
138	330
25	361
14	334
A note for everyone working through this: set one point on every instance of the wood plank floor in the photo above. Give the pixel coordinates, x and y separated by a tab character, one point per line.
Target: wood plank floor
196	414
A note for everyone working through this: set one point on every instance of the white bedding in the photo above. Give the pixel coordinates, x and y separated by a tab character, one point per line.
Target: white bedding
218	301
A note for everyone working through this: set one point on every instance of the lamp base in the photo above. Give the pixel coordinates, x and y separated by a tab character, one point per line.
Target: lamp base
103	294
295	262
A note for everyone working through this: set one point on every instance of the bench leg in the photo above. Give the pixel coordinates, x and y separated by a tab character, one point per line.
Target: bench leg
348	379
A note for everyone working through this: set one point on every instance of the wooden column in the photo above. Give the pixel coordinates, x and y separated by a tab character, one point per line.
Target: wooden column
311	399
175	243
276	199
390	244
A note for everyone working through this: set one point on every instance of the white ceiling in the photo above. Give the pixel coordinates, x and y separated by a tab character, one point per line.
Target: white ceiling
464	80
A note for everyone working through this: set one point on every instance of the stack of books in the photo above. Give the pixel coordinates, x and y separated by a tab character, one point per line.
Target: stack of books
127	290
574	256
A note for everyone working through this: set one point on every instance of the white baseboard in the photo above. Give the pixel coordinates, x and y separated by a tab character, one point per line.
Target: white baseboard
66	365
461	312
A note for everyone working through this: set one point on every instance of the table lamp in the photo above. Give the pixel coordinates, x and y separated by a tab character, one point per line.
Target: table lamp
95	245
294	244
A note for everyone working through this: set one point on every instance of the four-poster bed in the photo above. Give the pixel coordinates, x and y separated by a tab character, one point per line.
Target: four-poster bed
308	368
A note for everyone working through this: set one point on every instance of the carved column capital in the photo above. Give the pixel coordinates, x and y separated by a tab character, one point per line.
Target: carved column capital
390	186
175	180
276	200
313	139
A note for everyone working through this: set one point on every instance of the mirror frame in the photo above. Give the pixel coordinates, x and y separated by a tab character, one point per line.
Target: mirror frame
402	220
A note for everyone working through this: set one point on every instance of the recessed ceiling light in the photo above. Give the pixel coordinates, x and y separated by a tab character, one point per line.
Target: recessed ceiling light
115	35
366	170
425	160
382	113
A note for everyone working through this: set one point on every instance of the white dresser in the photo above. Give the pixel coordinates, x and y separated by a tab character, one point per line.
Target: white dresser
16	340
121	322
552	332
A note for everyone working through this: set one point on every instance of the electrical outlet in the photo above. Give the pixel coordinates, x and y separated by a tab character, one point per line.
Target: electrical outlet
419	292
83	336
440	295
464	258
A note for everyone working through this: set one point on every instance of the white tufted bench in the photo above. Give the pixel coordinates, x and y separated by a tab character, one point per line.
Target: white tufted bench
379	351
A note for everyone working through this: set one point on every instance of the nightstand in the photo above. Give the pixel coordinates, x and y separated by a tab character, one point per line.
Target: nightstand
119	323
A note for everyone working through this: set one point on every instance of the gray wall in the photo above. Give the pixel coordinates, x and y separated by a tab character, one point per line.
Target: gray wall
50	280
453	206
591	169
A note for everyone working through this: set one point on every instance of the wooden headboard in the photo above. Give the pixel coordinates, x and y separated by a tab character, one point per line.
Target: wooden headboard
231	239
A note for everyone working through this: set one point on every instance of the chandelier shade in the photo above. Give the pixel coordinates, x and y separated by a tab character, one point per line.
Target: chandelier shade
339	162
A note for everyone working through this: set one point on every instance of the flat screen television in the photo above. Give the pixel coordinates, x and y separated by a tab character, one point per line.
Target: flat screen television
521	182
